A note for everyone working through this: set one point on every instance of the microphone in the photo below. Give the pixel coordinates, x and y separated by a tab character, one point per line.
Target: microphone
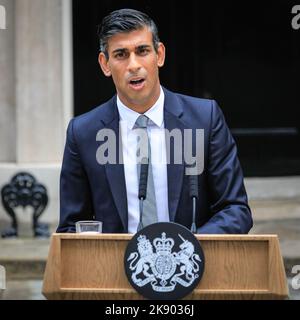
142	188
194	196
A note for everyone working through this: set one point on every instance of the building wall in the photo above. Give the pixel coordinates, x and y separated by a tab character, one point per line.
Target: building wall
35	94
7	86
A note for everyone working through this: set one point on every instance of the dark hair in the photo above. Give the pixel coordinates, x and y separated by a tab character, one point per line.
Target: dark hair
125	20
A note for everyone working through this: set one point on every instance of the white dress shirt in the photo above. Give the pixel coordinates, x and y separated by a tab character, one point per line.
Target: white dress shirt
156	135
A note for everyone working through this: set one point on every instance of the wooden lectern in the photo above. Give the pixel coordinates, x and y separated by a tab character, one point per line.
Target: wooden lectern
236	267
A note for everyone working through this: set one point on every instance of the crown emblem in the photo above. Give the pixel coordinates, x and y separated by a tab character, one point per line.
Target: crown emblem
163	245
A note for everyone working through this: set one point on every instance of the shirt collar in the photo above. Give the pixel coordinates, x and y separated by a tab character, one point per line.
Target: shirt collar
155	113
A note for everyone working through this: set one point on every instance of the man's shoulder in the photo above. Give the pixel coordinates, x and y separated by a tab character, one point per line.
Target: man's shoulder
187	101
193	99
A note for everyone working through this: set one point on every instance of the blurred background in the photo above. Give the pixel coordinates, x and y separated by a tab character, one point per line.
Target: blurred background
244	55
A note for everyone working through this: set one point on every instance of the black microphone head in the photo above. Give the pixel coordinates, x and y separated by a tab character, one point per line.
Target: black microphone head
143	178
193	186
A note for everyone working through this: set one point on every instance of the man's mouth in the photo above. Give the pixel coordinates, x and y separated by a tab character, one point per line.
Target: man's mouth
137	83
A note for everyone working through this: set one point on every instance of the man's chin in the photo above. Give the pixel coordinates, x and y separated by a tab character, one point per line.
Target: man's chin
139	103
139	98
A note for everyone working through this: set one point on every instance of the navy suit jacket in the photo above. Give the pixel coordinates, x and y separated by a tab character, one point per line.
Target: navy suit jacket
89	190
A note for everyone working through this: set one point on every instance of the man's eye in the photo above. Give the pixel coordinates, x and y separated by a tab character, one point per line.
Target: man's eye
120	55
143	51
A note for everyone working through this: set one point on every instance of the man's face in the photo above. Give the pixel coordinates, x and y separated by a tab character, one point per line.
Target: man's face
133	64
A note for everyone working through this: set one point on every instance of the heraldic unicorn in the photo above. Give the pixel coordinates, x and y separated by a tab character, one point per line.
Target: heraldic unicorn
162	268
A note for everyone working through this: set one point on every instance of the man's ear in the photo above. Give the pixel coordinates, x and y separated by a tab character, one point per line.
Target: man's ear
103	62
161	53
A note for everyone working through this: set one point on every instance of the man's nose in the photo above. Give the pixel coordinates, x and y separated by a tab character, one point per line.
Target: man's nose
133	65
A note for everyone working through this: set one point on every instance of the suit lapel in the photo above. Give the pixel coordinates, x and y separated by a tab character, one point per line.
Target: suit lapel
172	114
115	172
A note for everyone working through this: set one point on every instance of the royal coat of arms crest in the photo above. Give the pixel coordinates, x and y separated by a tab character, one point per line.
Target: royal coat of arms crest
157	264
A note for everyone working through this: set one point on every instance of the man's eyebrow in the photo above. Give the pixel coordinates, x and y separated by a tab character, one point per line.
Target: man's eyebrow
143	46
119	50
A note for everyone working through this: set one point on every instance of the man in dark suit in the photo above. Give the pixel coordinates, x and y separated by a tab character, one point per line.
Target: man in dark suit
130	52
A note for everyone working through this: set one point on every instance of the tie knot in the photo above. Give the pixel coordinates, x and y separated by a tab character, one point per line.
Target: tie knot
142	121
